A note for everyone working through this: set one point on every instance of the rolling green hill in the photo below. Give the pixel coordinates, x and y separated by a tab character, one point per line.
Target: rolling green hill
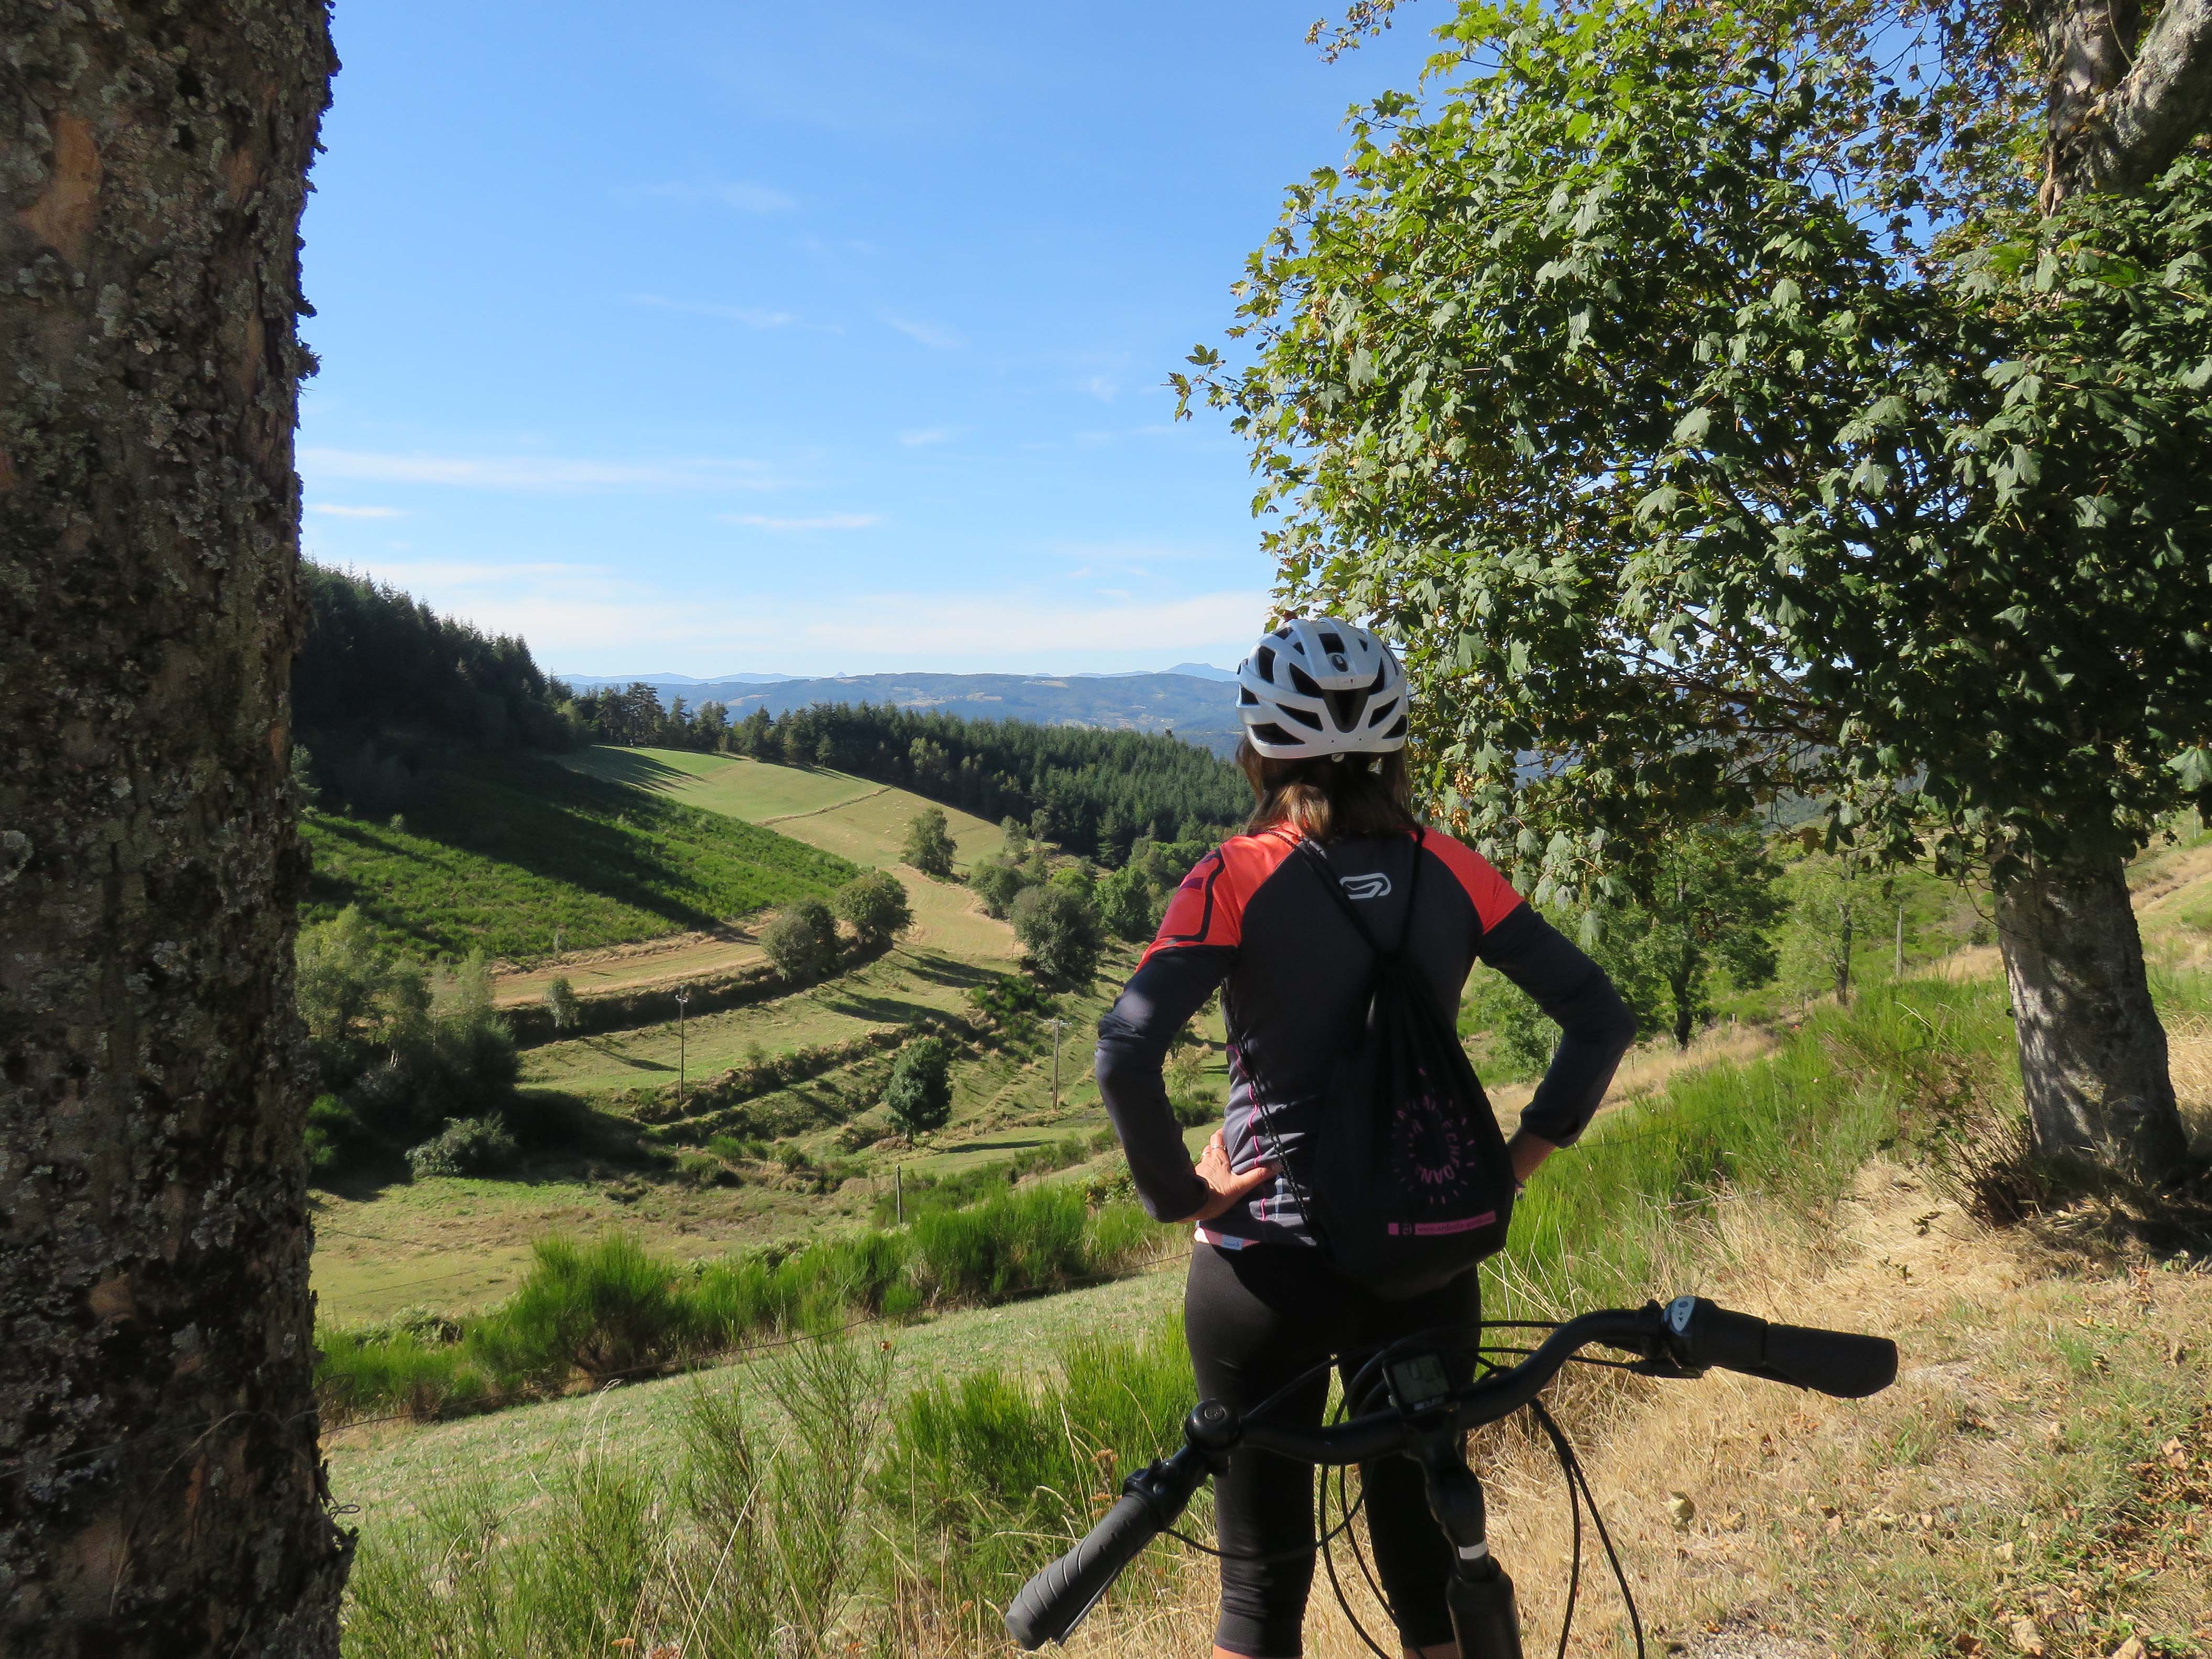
498	857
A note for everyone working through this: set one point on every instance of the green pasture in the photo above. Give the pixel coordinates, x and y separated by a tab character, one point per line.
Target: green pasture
502	857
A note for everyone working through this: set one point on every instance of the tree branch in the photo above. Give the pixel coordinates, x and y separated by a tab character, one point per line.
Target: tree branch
2117	132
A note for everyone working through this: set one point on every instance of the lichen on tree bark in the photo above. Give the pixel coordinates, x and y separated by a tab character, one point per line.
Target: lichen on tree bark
160	1488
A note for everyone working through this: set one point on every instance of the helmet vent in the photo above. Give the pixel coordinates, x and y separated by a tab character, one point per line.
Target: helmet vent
1264	659
1303	717
1303	683
1268	732
1332	643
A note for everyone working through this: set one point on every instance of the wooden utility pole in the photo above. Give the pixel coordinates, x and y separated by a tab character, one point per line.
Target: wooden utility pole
682	1049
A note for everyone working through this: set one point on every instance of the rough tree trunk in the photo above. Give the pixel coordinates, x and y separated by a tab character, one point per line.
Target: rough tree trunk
160	1491
2092	1056
2120	104
2122	101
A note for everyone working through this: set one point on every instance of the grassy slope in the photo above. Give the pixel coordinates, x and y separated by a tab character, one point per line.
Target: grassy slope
458	1245
497	858
2046	1456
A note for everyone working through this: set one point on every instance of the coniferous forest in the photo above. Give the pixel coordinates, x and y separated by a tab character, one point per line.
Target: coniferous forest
1092	792
385	687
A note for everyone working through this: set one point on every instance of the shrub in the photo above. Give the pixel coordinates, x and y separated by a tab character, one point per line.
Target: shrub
467	1146
561	1003
1022	1241
604	1308
998	881
1125	904
920	1094
876	906
929	845
1002	996
1057	925
802	942
702	1170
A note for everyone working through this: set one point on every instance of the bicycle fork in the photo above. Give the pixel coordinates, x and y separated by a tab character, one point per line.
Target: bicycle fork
1483	1619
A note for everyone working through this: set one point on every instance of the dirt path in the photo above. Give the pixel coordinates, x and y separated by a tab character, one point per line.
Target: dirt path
634	967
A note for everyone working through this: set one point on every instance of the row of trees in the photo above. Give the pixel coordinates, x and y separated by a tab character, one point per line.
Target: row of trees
377	663
1095	793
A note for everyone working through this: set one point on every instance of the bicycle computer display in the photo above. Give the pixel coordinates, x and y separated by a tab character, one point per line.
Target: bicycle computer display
1417	1381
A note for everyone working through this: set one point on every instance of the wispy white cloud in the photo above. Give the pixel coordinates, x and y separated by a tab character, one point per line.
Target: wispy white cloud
750	316
585	614
1101	386
543	473
925	435
743	196
932	335
821	521
333	510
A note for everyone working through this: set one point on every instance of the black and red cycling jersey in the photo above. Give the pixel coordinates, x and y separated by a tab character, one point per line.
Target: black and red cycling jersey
1294	977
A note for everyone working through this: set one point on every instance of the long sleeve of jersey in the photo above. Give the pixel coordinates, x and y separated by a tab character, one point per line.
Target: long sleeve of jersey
1595	1026
1133	1045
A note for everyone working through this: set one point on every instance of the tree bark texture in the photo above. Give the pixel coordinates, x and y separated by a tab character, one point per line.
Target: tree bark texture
2120	107
2092	1056
160	1489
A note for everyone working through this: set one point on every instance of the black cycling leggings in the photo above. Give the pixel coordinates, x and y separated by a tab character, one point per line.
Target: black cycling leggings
1255	1318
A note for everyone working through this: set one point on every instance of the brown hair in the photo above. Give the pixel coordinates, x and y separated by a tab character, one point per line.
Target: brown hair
1329	798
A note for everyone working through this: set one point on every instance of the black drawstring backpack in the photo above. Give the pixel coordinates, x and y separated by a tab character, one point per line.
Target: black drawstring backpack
1404	1178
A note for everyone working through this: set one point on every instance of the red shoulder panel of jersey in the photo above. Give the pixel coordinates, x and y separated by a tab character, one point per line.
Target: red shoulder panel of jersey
1208	909
1492	894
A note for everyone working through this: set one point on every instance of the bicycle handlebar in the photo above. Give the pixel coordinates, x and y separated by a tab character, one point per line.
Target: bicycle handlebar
1684	1338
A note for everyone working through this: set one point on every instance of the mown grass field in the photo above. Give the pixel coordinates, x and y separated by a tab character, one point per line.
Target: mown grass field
456	1244
459	1245
514	853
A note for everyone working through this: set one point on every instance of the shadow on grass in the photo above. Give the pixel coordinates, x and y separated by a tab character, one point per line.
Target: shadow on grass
629	766
945	970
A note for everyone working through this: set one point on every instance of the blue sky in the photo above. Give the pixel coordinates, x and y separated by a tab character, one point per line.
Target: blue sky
810	339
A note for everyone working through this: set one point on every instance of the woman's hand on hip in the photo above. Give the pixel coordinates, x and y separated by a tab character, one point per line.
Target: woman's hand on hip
1226	1189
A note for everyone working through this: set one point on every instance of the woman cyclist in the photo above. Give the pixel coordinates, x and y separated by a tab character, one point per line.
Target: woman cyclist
1323	706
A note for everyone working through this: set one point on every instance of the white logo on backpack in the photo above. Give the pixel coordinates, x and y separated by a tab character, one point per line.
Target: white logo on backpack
1374	886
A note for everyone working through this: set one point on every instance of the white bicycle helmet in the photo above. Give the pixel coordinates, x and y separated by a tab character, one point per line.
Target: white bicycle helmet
1318	686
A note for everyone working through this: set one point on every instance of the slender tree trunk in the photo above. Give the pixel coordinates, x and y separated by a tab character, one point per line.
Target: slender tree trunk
2092	1056
160	1491
1844	953
1684	984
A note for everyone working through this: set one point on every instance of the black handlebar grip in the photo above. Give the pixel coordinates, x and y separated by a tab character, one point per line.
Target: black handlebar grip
1052	1604
1839	1363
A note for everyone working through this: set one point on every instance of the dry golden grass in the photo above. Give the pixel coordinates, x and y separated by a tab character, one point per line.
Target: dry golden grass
1931	1519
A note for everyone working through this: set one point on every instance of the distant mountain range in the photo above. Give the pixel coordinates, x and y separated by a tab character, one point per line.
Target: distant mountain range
1192	700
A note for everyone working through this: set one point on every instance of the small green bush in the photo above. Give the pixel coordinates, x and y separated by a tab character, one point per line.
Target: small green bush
876	906
802	942
1022	1241
467	1146
605	1308
918	1096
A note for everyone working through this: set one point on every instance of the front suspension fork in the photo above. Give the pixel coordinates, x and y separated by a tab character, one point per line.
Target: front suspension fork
1480	1594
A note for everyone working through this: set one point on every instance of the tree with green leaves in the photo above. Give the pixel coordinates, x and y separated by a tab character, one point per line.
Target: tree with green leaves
919	1096
929	845
1833	904
561	1003
802	942
875	904
1706	907
1708	404
1058	925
